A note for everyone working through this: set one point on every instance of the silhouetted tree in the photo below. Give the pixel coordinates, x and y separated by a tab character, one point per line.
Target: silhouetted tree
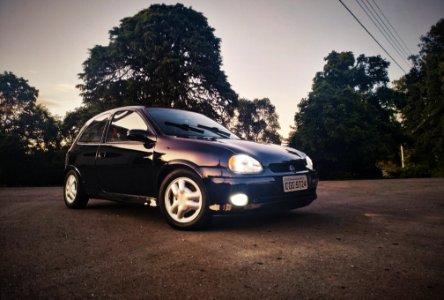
166	55
17	99
347	123
30	138
42	130
257	121
423	109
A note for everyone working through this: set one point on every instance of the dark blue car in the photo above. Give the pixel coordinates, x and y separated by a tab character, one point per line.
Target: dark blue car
183	162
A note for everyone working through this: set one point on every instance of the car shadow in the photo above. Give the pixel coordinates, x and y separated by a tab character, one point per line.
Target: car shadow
272	220
265	220
123	208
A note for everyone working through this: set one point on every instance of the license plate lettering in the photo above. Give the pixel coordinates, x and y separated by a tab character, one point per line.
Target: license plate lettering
295	183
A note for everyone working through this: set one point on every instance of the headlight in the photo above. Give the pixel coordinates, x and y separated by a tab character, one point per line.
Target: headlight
309	163
244	164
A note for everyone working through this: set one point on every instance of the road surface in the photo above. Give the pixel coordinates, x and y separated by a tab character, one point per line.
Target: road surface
376	239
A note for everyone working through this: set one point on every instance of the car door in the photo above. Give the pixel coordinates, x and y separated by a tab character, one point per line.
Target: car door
83	155
125	166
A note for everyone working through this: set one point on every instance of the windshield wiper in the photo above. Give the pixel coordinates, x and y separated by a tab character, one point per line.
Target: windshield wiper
198	137
215	130
184	126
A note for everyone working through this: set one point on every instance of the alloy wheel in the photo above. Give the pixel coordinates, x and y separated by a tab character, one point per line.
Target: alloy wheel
183	200
71	188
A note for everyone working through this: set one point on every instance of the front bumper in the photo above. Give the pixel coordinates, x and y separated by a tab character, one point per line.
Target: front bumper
262	191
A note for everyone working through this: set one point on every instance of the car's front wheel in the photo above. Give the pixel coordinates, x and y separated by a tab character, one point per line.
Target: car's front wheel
183	200
73	193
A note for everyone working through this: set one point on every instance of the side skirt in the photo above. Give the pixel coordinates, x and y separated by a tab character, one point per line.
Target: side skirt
125	198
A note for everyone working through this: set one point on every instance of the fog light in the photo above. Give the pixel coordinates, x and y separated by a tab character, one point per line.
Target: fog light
239	199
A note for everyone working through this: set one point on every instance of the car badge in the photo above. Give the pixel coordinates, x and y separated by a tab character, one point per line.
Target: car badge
292	169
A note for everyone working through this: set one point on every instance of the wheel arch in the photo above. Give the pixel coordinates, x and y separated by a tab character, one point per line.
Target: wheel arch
72	168
175	165
75	169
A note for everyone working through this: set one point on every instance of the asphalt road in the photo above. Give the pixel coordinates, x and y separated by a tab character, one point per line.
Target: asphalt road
359	240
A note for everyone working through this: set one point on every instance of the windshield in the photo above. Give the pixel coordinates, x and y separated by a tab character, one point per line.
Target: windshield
187	124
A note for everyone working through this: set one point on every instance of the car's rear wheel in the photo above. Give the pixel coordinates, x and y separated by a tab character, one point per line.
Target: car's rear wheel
73	192
183	200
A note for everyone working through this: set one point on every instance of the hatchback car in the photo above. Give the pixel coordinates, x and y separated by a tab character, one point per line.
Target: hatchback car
185	163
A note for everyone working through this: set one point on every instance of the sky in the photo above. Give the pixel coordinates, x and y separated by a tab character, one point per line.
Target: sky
269	48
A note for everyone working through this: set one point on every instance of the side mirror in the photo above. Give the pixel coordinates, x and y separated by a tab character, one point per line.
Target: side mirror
141	136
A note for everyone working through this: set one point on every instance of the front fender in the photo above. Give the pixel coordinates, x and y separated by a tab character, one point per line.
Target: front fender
202	171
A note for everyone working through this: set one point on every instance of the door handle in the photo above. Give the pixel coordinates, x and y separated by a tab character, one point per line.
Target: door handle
101	154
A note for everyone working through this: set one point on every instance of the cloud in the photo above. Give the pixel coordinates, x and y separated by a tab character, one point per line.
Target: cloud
60	98
66	88
47	101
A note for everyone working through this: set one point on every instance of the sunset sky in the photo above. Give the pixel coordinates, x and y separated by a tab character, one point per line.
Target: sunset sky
270	48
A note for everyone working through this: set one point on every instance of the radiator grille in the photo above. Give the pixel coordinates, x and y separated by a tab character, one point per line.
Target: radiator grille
285	167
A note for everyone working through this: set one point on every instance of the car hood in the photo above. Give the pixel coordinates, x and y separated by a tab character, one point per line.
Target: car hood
264	153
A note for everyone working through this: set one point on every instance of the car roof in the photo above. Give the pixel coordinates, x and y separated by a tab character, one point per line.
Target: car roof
141	107
132	107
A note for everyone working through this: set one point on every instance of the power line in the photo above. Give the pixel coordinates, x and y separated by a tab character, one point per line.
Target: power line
378	25
394	30
362	25
388	30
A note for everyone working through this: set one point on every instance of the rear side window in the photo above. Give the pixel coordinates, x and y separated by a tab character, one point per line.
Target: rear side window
93	133
122	122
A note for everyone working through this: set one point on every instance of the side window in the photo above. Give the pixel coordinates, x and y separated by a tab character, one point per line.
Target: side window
122	122
93	133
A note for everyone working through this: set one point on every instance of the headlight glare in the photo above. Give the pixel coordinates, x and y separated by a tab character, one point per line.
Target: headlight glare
309	163
244	164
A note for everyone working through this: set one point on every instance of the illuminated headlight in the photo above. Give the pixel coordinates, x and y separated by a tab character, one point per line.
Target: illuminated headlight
309	163
239	199
244	164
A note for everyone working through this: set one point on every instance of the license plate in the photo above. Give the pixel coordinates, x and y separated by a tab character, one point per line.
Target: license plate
295	183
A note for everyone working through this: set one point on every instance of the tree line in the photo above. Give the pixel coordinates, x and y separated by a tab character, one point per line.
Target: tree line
352	122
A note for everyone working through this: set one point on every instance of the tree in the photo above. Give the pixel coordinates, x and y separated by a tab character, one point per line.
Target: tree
41	130
166	55
423	108
34	126
17	99
347	123
30	137
257	121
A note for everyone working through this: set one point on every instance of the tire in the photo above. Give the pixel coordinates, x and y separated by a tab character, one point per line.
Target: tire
183	200
73	191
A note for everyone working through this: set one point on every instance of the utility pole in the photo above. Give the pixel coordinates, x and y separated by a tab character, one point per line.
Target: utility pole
402	157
